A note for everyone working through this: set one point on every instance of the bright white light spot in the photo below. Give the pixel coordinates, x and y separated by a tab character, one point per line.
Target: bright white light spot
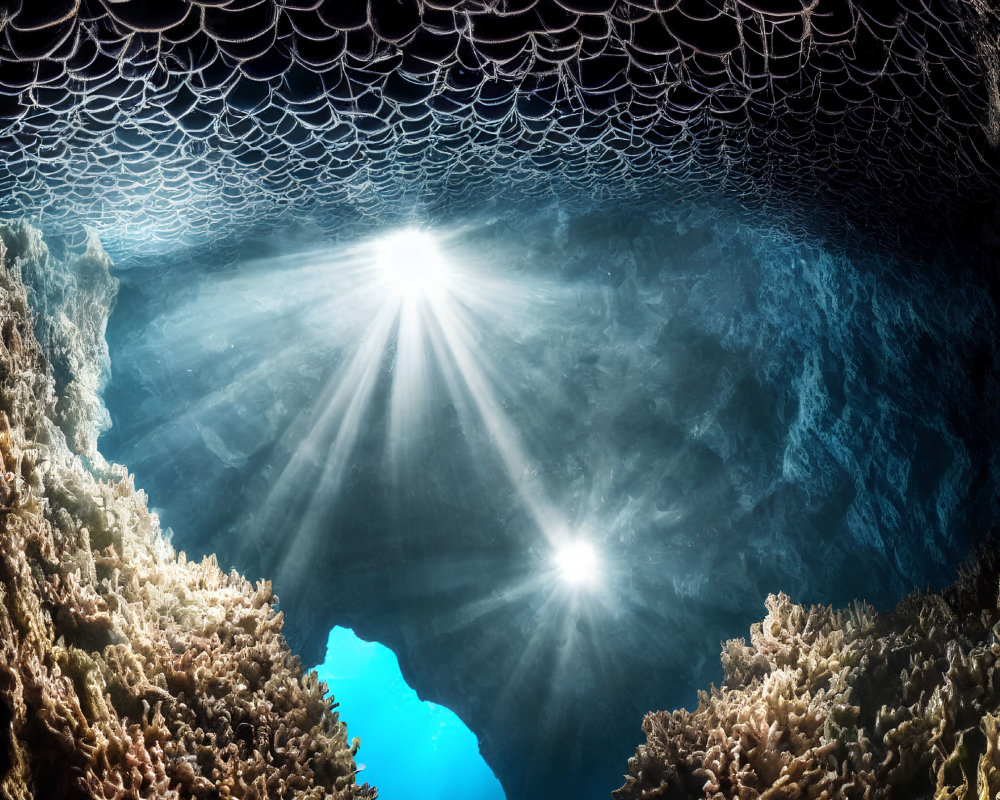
577	563
411	264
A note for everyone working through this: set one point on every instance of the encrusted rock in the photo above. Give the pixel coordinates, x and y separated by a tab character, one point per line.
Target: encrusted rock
844	704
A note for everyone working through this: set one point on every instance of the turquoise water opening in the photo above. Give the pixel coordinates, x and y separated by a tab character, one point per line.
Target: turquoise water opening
411	749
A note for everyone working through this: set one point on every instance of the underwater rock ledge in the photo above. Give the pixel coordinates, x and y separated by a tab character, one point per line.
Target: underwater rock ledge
828	703
127	671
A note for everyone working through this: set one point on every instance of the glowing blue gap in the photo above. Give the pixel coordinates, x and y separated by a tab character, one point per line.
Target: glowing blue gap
411	749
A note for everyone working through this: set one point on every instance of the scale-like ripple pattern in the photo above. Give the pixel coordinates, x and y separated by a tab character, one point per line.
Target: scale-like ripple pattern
180	120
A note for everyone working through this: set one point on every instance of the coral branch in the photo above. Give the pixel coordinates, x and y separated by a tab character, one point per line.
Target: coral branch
844	704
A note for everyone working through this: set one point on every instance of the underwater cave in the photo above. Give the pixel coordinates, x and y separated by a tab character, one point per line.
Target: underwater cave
533	351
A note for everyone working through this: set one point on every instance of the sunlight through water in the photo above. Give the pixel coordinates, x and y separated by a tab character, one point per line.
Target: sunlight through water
411	264
419	342
577	563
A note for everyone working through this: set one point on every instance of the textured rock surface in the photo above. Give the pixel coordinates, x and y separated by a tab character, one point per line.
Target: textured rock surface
127	671
847	704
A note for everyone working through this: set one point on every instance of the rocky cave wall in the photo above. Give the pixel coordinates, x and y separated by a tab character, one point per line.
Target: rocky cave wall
127	671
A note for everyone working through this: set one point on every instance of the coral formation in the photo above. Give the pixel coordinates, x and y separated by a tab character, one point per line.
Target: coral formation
127	671
845	704
71	301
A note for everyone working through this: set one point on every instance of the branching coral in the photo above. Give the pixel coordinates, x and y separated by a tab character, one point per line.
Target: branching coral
127	671
844	704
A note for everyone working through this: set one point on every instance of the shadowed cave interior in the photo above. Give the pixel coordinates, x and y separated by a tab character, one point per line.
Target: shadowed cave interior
408	297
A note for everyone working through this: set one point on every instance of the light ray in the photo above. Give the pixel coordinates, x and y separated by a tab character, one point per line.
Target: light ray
331	438
450	335
404	328
409	399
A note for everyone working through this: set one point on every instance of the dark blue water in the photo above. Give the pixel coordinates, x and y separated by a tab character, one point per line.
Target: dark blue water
720	410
